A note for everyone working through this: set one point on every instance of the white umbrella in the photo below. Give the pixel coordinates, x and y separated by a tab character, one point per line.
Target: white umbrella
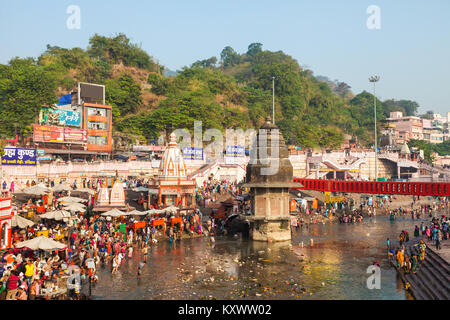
153	211
85	190
37	190
137	213
171	209
18	221
62	187
114	213
56	215
74	207
42	243
70	199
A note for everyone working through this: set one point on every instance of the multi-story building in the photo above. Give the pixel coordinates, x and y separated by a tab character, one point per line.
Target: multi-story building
406	128
79	127
97	120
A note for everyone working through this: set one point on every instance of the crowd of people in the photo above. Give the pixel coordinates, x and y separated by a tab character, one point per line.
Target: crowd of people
436	231
91	240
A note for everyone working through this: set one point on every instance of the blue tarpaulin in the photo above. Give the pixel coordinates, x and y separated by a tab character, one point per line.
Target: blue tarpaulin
66	99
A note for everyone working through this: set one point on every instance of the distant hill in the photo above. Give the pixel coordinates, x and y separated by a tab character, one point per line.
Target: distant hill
233	92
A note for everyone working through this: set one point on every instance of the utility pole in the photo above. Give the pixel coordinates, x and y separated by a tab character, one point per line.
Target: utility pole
273	100
375	79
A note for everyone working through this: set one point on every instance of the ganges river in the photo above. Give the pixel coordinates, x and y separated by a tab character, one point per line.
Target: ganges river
334	267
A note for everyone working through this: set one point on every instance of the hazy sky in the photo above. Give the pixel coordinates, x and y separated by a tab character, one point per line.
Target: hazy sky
411	50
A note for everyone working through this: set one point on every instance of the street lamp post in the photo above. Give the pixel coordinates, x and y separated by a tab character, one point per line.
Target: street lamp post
273	100
375	79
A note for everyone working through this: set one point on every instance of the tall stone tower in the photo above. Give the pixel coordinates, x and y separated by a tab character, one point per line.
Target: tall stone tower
269	193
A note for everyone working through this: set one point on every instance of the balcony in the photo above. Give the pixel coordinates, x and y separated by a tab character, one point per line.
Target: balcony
95	118
97	133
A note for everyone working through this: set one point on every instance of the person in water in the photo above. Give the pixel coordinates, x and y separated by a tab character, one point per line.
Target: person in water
414	264
416	232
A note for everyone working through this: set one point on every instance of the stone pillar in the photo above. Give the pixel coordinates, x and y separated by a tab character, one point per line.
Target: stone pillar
270	219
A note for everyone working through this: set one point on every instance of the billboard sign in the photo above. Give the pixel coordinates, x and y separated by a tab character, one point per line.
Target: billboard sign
235	151
19	157
193	153
60	117
75	135
59	134
48	134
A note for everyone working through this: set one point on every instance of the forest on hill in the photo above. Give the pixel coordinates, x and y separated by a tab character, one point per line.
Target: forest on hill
234	91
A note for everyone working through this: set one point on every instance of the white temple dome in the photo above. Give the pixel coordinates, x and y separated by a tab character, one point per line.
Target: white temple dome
172	163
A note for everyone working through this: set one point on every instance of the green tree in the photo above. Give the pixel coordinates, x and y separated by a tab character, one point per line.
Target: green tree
207	63
229	57
124	93
254	48
24	89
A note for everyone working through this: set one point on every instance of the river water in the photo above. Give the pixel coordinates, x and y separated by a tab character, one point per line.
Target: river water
334	267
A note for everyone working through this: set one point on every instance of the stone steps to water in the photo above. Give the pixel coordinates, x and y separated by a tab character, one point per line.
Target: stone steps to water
432	279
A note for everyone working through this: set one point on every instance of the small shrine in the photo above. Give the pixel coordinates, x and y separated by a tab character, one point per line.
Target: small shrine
172	187
115	198
269	192
6	216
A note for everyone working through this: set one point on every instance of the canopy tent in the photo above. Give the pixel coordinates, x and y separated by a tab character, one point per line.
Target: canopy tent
22	223
74	207
171	209
154	211
37	190
62	187
42	243
56	215
70	199
137	213
114	213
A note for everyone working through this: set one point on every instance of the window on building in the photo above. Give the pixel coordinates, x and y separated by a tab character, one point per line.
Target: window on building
97	112
97	125
97	140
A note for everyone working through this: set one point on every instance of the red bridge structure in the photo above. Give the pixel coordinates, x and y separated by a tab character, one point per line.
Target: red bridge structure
376	187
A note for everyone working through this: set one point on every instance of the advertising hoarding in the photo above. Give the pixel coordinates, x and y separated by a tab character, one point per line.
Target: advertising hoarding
60	117
19	157
235	151
59	134
193	153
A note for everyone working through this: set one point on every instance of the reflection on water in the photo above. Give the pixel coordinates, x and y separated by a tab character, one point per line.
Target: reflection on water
334	267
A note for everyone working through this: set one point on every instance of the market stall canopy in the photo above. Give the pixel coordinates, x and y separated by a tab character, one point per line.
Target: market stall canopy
137	213
154	211
22	223
42	243
70	199
171	209
62	187
74	206
37	190
56	215
114	213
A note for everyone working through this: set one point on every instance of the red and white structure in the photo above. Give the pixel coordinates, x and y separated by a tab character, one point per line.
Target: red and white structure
6	216
172	185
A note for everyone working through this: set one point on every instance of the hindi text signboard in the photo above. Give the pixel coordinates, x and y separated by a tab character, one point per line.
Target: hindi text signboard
19	157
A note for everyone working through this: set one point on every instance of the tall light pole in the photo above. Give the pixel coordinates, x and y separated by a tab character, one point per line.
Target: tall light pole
273	100
375	79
